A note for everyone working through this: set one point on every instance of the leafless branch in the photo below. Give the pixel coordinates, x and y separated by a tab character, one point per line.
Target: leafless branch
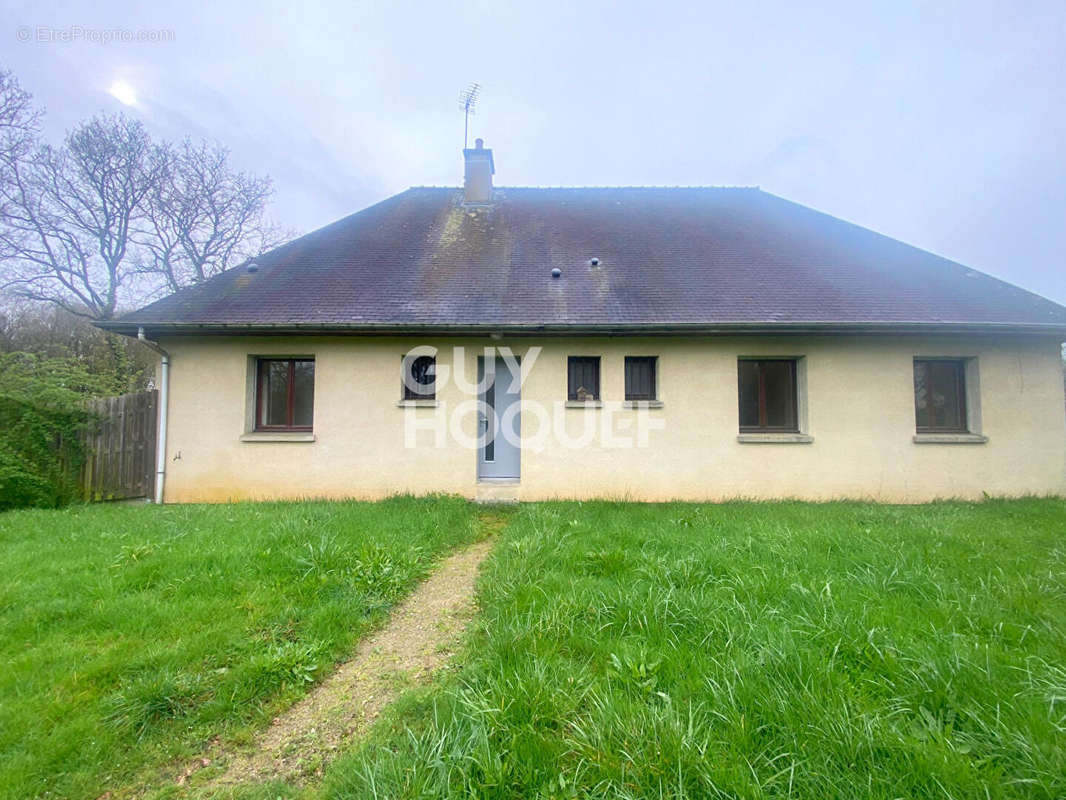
111	217
206	217
68	213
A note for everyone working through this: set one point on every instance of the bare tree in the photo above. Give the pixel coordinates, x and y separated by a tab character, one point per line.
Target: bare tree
70	214
19	131
112	217
205	217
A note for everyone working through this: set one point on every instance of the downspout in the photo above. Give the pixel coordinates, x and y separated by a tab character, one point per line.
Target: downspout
164	396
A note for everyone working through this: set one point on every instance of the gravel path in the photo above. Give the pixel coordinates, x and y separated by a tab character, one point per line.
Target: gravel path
419	637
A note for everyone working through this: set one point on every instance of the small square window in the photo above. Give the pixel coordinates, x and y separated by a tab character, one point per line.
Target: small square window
583	378
640	378
419	378
940	395
768	400
284	394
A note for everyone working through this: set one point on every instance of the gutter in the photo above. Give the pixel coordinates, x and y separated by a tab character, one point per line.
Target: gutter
164	396
602	329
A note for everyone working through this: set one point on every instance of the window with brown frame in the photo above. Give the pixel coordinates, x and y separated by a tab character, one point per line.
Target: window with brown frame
640	377
768	402
420	378
284	394
583	378
940	395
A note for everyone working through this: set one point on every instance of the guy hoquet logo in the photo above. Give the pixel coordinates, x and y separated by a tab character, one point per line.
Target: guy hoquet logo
465	413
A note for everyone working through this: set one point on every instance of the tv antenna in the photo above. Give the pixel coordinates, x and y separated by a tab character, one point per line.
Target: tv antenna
468	103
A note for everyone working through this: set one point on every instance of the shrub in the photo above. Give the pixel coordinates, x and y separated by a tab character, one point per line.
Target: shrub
42	417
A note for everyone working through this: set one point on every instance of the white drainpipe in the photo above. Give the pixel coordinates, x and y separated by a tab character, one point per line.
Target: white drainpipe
164	395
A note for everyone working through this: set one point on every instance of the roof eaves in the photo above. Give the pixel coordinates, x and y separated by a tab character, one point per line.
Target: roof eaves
130	328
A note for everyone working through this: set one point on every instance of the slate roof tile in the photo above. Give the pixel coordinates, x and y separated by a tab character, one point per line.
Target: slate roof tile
699	256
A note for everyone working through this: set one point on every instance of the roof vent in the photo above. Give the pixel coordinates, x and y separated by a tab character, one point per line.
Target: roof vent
253	267
556	272
594	262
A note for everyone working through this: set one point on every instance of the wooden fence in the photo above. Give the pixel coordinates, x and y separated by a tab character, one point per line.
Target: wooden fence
120	453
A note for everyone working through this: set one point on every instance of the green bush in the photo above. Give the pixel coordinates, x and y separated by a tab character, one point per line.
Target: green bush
42	416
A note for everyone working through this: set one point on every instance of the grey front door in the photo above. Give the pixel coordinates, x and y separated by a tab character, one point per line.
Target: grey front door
499	422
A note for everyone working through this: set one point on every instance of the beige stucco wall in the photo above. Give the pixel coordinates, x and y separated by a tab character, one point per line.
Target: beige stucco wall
859	401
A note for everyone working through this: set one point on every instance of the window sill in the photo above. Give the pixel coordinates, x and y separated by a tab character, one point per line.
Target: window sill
278	436
417	404
642	404
584	404
949	438
775	438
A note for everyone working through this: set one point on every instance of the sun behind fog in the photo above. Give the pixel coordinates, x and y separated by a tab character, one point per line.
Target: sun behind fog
123	92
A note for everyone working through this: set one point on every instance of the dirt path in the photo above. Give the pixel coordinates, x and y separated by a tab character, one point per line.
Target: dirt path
418	638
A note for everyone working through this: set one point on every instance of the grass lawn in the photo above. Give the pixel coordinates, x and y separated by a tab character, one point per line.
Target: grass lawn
748	650
130	636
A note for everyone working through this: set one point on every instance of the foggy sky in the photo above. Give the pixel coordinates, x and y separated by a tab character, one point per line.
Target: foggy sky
939	124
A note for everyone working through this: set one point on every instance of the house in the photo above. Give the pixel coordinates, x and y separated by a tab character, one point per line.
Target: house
641	343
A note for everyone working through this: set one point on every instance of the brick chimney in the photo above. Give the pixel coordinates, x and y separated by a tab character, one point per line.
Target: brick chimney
477	179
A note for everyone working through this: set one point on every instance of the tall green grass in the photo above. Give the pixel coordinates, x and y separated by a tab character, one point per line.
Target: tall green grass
749	650
133	635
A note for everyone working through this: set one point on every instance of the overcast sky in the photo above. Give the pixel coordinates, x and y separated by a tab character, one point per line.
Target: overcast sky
940	124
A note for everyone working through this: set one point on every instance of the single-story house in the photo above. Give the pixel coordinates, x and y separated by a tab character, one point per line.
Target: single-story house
639	343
